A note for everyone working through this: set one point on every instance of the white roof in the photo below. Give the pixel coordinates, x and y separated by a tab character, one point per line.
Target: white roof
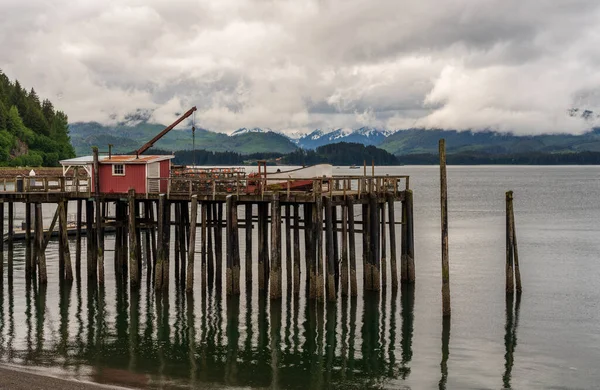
116	159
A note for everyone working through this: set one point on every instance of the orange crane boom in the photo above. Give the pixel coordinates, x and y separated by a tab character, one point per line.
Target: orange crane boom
150	143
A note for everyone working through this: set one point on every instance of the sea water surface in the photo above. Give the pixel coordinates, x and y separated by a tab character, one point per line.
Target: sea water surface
549	338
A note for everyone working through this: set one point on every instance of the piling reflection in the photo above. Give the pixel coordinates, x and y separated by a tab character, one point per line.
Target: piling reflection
136	337
510	336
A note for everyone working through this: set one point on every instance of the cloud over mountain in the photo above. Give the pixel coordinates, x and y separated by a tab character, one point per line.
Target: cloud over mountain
300	65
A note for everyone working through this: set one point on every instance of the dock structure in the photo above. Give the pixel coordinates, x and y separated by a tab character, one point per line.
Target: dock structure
330	211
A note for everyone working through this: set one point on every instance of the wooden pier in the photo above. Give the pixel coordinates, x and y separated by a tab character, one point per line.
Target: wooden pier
330	213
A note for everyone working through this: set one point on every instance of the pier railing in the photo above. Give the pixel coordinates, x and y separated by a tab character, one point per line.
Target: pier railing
240	185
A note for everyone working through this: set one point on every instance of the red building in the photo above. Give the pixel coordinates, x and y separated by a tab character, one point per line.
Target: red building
119	173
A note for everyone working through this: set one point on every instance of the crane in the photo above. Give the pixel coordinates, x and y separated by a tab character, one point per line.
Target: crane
150	143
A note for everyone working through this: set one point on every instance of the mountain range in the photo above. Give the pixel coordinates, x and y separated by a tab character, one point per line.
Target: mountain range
127	137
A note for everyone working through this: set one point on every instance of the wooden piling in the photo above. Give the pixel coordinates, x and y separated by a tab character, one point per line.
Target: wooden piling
296	276
351	246
39	235
218	212
410	247
366	240
383	248
64	238
275	276
248	234
344	267
11	233
288	247
336	248
28	258
444	215
262	249
2	243
134	258
319	244
147	243
90	239
161	271
310	250
177	241
78	239
515	249
204	238
236	250
392	232
510	284
99	237
232	273
189	285
374	241
210	260
329	256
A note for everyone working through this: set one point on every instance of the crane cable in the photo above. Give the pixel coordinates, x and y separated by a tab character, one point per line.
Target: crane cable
194	138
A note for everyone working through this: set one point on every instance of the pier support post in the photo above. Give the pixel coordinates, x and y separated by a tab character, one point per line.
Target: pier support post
275	277
392	232
210	221
444	214
383	248
374	229
319	244
248	231
62	222
90	239
296	276
309	251
177	241
344	268
233	261
78	240
218	212
512	253
288	247
28	259
134	256
99	238
262	247
410	250
2	243
161	274
11	233
366	239
352	246
329	255
336	247
147	244
39	233
204	238
189	285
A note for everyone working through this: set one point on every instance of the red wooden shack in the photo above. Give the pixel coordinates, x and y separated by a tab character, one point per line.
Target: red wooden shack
119	173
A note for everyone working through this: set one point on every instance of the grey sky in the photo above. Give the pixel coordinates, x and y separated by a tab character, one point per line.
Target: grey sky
297	65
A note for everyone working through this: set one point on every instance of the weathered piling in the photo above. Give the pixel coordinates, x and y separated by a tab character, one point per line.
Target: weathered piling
444	216
64	239
11	233
515	251
329	256
177	241
309	250
161	272
99	233
344	267
351	246
410	244
78	239
2	242
512	254
218	212
232	274
134	256
262	246
288	247
90	239
39	236
28	261
296	276
374	254
189	285
320	281
392	232
248	235
204	238
210	260
147	242
383	248
275	276
336	248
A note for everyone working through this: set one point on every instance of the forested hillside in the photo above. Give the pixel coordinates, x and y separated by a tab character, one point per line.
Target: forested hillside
32	132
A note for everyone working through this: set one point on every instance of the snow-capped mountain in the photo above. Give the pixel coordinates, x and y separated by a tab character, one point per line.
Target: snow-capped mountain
364	135
245	130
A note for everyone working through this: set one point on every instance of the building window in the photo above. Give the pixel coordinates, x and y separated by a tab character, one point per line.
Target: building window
118	170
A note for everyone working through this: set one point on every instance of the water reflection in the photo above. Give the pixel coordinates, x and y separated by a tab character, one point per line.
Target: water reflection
510	337
135	337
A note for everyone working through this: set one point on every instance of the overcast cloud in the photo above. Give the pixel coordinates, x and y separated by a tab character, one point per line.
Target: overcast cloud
508	65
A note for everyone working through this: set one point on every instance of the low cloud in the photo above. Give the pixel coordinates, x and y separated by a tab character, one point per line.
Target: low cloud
287	65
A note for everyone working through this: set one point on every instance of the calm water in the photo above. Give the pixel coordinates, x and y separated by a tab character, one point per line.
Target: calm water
549	339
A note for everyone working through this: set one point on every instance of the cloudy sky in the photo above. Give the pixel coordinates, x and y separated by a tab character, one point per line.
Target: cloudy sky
509	65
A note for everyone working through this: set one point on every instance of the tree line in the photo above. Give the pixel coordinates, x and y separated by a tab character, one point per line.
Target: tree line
32	132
